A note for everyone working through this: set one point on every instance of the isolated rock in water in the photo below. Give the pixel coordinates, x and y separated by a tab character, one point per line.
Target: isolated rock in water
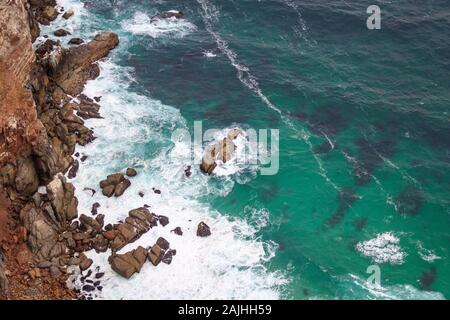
223	150
177	231
168	15
129	263
115	184
94	209
163	220
68	14
108	191
167	259
155	255
115	178
61	33
131	172
76	41
203	230
73	171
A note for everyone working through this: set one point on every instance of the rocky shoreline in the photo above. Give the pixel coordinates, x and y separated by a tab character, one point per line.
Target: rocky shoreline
43	113
43	237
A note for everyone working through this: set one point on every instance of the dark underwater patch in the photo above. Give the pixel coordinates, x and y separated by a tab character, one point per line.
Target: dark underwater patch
410	201
345	199
327	120
369	158
360	223
428	278
322	148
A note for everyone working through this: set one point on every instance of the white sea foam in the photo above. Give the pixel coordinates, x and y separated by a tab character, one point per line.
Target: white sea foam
384	248
230	264
142	24
426	254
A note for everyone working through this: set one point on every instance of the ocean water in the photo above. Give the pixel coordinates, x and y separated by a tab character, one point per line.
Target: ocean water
364	146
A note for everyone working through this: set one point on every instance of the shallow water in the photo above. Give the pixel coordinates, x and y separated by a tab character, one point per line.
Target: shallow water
364	145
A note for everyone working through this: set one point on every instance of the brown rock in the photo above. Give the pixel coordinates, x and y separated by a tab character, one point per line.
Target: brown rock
131	172
94	209
115	178
85	264
61	33
155	255
76	41
111	234
108	191
68	14
163	243
121	187
129	263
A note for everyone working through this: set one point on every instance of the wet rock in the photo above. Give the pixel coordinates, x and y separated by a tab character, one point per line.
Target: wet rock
108	191
163	243
76	41
99	275
97	99
94	209
203	230
69	13
85	263
61	33
129	263
168	256
169	15
73	170
157	191
131	172
141	194
121	188
88	288
155	255
163	220
83	158
188	171
177	231
222	151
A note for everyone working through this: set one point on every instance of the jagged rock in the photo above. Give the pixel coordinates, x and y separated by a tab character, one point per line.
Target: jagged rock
61	33
87	109
115	178
129	263
114	184
188	171
203	230
100	243
90	224
79	65
155	255
168	256
85	263
131	172
221	151
68	14
177	231
110	234
61	196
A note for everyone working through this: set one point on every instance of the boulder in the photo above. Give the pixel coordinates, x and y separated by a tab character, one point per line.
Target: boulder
27	181
74	169
115	178
121	187
155	255
163	243
131	172
177	231
61	33
203	230
108	191
68	14
129	263
167	259
76	41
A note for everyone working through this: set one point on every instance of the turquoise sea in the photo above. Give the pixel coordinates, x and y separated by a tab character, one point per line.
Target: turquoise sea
364	126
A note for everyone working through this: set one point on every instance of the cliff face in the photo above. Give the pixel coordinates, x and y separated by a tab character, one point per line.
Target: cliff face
39	128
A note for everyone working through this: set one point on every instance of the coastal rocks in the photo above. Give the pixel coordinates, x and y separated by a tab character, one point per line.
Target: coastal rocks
61	195
115	184
26	180
44	11
76	41
138	222
87	108
78	64
129	263
203	230
61	33
222	151
73	170
69	13
177	231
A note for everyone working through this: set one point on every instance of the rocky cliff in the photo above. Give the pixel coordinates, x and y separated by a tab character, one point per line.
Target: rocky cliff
39	128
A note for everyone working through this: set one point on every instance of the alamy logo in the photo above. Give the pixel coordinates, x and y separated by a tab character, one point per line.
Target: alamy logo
374	20
374	280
